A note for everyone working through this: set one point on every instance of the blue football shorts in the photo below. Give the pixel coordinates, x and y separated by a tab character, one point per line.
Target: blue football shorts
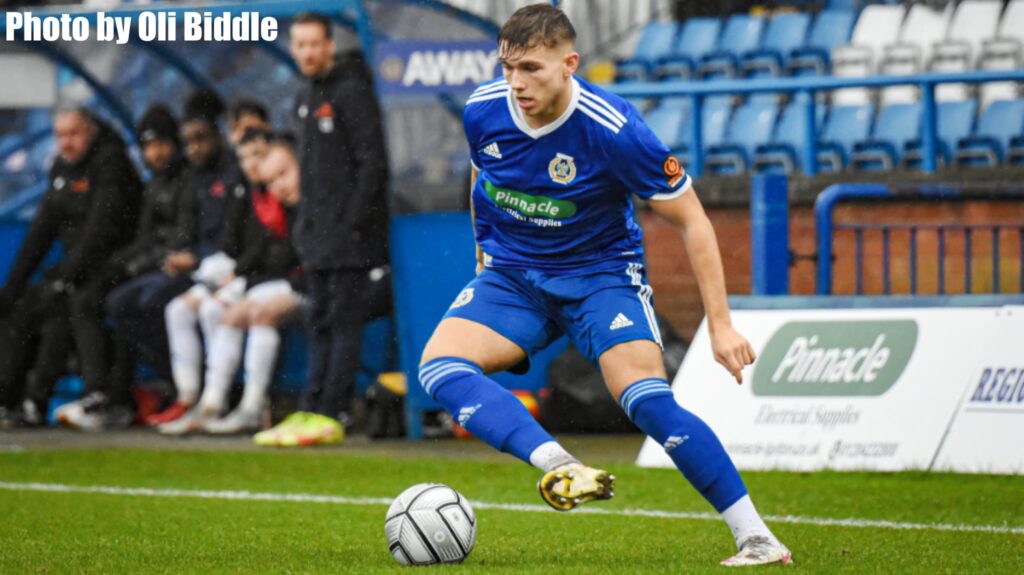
532	309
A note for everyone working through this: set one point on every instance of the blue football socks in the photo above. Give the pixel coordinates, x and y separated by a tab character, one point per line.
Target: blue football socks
482	406
691	444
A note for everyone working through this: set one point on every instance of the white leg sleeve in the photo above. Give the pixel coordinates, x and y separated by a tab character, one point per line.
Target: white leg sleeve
224	353
260	355
186	349
210	312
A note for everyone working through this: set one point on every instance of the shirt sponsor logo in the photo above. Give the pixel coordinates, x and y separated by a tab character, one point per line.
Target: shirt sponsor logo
562	169
528	204
839	358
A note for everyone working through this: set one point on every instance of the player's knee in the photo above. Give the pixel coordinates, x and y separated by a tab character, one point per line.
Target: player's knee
444	370
210	309
178	311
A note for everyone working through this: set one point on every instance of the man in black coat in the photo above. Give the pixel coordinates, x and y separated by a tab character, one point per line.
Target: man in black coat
342	228
92	208
107	364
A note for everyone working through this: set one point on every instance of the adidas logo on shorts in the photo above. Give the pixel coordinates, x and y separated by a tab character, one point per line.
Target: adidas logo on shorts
492	150
620	322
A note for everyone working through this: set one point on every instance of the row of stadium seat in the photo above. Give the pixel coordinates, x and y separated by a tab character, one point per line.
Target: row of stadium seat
895	39
760	136
741	45
883	39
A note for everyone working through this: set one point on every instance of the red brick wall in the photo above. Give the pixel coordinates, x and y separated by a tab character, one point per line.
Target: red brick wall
678	299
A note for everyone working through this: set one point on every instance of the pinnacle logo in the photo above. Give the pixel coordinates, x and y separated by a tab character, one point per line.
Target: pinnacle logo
839	358
466	412
674	442
492	150
528	204
620	322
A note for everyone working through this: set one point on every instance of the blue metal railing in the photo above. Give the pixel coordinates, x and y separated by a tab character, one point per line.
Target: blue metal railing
808	87
826	229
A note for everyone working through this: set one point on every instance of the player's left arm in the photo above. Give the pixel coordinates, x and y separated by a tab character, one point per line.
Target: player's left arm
730	348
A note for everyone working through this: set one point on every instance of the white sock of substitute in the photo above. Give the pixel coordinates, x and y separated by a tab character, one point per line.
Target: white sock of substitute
222	359
260	355
745	521
186	349
551	455
210	312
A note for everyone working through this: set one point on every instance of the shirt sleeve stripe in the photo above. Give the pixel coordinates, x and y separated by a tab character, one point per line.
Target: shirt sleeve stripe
682	189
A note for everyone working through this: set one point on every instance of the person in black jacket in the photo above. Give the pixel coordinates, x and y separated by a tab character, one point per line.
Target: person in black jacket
342	227
107	364
92	208
216	208
270	268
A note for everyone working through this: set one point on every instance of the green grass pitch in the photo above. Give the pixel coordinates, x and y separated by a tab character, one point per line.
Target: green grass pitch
178	532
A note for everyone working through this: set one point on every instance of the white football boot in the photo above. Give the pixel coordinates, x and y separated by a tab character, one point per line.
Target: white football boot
574	484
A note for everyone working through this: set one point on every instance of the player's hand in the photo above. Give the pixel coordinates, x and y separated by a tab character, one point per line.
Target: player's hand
732	350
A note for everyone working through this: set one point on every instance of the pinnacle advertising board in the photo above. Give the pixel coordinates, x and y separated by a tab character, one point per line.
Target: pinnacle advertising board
872	389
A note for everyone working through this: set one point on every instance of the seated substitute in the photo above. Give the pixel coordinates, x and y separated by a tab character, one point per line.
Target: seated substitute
270	264
556	161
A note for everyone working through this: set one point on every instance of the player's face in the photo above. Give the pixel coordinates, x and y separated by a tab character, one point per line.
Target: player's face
280	171
312	50
250	155
540	79
200	141
157	154
74	135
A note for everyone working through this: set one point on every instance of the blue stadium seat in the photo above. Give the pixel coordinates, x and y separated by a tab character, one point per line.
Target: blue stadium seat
656	41
751	126
954	121
844	126
1015	155
697	39
785	33
742	34
715	119
785	152
896	125
667	121
1001	122
831	28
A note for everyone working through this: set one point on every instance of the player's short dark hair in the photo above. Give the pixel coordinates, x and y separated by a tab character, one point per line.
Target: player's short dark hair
536	24
244	106
315	18
256	135
203	104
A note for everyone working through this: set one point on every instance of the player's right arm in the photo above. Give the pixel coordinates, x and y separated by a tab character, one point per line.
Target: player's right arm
473	174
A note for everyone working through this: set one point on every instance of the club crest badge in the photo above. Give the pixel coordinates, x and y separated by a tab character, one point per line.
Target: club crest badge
465	297
562	169
325	118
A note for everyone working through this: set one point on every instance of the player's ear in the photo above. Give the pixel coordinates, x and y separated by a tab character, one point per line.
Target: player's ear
572	62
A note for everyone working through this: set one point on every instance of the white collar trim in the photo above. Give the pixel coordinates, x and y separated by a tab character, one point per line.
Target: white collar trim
535	133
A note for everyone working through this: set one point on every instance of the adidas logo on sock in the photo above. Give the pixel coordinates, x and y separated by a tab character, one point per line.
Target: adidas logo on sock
674	442
492	150
620	322
466	412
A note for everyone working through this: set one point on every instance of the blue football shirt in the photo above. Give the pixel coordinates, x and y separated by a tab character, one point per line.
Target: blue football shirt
560	198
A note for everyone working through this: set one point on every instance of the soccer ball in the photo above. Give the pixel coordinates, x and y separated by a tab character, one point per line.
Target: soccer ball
430	523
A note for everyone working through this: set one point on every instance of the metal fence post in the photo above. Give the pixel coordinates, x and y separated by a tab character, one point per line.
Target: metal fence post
929	144
695	163
769	234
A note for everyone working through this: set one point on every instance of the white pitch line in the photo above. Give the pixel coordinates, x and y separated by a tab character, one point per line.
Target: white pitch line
341	500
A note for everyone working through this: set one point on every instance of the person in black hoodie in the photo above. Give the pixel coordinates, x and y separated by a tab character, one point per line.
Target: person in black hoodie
92	208
107	364
341	231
